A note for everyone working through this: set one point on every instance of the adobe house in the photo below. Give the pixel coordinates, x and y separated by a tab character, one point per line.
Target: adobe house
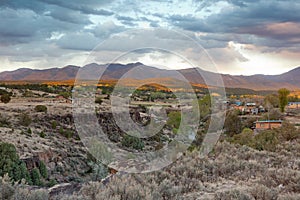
294	105
267	124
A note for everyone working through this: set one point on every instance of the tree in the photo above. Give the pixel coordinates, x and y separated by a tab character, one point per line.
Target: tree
273	114
36	176
10	164
25	174
43	170
233	124
283	98
8	158
271	100
5	98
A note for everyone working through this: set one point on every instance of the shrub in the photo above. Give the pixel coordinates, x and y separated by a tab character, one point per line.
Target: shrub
262	192
28	194
54	124
5	98
288	131
99	170
25	119
174	119
6	189
69	134
265	140
66	133
51	183
234	194
243	138
98	100
42	134
4	121
40	108
132	142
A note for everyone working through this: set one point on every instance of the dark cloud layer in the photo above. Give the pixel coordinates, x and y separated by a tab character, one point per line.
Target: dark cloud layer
63	26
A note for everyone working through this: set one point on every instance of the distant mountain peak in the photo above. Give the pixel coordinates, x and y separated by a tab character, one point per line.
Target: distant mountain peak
116	71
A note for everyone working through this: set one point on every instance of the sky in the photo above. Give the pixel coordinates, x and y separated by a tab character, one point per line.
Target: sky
238	36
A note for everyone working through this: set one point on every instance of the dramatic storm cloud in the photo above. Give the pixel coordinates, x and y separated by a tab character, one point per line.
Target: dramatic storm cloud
241	36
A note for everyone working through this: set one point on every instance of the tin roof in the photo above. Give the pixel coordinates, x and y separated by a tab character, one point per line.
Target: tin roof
268	121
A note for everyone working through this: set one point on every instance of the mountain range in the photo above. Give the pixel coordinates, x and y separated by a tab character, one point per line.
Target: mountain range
139	71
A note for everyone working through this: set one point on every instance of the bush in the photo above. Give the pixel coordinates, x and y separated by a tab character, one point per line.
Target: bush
243	138
99	170
51	183
262	192
40	108
265	140
98	100
174	119
66	133
25	119
232	195
6	189
288	131
5	98
4	121
54	124
42	134
132	142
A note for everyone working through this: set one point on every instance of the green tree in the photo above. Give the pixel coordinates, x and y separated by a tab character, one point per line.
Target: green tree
283	98
10	164
5	98
8	158
43	170
36	177
233	124
25	174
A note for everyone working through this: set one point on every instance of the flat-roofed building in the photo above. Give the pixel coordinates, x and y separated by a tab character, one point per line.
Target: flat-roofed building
267	124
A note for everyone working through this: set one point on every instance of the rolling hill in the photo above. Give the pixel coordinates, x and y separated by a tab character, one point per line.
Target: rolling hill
138	71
